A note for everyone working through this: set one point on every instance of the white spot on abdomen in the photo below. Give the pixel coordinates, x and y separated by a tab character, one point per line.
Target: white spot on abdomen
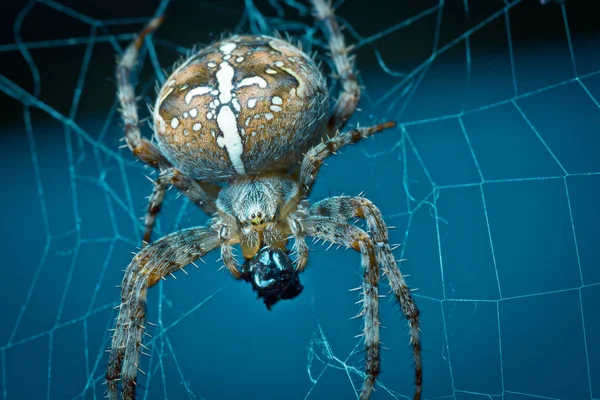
197	91
231	139
236	105
300	89
251	103
274	46
174	123
161	99
227	47
159	122
253	80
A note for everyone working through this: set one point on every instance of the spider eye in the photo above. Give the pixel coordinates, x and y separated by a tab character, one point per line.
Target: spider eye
257	218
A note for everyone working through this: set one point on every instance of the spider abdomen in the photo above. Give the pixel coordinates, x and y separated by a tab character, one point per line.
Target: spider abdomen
242	106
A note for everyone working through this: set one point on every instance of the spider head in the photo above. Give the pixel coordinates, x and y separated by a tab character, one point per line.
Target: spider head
256	206
272	275
255	202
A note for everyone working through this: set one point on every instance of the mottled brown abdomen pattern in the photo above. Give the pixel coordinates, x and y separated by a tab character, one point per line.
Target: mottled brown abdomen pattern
242	106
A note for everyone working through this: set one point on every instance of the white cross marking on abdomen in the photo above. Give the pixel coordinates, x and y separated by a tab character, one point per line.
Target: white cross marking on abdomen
231	139
226	118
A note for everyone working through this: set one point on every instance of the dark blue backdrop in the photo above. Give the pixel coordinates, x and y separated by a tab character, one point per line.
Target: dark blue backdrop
492	181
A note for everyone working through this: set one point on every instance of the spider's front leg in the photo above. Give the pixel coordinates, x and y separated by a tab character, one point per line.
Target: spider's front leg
189	187
348	101
144	149
353	237
151	264
344	208
312	161
227	238
299	234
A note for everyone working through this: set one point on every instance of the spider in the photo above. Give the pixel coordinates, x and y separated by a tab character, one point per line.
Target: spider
231	124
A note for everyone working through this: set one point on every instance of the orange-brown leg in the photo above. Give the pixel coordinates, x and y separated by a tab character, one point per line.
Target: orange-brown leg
317	154
150	265
144	149
344	208
357	239
350	94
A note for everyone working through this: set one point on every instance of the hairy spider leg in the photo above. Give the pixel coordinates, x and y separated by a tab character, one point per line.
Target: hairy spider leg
154	205
344	208
153	263
188	186
144	149
353	237
226	240
350	95
300	249
312	161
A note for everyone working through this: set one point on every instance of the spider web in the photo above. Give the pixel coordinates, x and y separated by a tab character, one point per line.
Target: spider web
491	181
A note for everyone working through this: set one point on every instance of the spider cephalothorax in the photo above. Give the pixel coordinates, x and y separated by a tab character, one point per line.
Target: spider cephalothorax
256	207
232	122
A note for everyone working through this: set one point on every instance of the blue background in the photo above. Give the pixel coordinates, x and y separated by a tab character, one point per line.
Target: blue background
492	182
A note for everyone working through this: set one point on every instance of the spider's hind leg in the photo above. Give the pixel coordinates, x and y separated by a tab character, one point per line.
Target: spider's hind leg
344	208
